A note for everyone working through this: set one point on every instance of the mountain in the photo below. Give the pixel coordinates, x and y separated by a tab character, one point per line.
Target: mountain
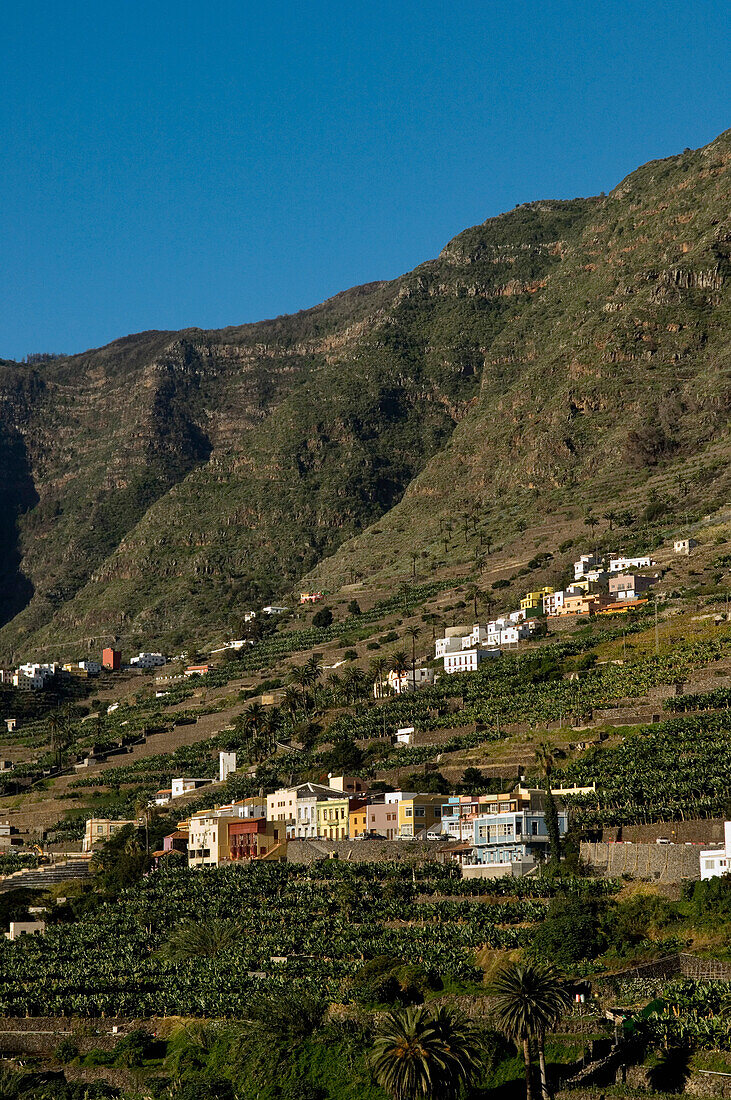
563	357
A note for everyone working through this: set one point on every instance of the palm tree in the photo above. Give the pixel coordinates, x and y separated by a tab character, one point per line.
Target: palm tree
194	940
271	725
529	1001
379	666
418	1055
301	676
413	632
546	756
292	700
399	661
59	736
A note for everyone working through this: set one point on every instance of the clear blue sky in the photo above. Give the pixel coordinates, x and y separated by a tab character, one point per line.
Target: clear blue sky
208	162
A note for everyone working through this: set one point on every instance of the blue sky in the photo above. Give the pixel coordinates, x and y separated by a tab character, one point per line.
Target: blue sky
208	162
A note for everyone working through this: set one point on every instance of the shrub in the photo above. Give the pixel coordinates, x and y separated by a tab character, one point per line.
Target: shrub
66	1051
323	617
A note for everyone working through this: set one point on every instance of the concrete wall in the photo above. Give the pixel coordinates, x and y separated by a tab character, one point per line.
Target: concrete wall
652	862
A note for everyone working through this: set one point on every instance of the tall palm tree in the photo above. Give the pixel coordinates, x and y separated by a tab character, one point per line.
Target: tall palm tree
413	632
291	700
301	676
59	736
379	666
419	1055
399	661
546	757
529	1001
271	725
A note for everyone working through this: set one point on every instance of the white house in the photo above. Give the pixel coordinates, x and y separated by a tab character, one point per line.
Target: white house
185	786
585	563
226	765
249	616
553	602
28	681
717	862
621	565
684	546
148	660
20	928
467	660
273	609
399	683
405	736
451	642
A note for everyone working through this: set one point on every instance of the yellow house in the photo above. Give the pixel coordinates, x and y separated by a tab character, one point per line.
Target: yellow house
332	819
358	822
532	602
421	811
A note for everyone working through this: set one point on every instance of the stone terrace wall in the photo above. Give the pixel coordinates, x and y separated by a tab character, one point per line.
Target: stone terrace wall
703	831
363	851
652	862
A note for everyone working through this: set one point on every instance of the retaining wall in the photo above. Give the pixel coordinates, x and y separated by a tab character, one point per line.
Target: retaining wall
706	832
363	851
652	862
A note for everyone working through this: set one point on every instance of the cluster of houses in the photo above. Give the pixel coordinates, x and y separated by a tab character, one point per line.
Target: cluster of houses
33	676
596	589
506	830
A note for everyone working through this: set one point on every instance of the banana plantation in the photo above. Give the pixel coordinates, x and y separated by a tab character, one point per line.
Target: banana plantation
298	928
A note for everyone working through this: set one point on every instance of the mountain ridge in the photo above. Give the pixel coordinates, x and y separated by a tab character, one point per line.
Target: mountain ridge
164	481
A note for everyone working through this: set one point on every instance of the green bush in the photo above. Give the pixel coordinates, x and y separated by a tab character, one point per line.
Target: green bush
66	1051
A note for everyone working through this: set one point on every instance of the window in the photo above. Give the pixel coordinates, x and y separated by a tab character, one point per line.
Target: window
534	828
419	811
408	812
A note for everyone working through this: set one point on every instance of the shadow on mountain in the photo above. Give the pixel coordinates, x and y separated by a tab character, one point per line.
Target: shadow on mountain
17	495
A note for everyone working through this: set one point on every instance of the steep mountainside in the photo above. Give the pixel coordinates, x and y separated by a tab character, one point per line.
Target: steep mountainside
566	354
611	390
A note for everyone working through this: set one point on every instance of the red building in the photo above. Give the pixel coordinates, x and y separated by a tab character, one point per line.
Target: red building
111	659
253	838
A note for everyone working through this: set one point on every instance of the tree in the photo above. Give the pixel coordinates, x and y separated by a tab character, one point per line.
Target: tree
379	667
120	862
529	1001
546	756
323	617
60	736
591	521
354	607
413	632
399	662
417	1055
194	940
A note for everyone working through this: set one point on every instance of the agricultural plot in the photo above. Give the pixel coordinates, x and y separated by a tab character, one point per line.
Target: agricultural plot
306	929
676	769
